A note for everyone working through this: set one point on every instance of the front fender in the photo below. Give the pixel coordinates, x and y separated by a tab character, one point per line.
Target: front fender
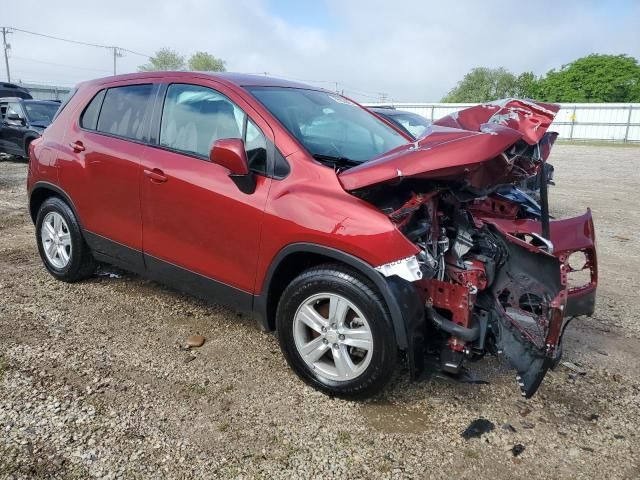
401	297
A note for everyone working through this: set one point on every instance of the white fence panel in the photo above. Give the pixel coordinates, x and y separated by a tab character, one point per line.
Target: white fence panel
47	92
574	121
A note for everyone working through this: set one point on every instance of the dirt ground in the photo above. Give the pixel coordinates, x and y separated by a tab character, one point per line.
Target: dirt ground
93	382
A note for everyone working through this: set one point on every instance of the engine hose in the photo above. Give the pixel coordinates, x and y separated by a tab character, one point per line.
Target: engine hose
544	202
464	333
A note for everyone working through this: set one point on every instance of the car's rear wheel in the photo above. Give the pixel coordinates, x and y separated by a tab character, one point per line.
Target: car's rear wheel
336	333
60	243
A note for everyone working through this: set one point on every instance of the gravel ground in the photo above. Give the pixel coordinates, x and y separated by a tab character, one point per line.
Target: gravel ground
93	382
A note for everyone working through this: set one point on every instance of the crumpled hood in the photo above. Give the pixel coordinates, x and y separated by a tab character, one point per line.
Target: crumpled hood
531	119
472	146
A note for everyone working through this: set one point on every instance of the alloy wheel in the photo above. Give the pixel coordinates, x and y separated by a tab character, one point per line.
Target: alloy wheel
333	337
56	240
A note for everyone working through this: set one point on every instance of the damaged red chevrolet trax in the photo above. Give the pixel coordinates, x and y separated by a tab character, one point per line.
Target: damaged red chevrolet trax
360	246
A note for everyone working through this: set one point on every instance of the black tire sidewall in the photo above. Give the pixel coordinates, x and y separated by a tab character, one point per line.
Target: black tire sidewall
71	270
362	295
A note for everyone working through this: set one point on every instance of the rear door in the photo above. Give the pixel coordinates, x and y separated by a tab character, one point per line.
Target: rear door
195	218
108	144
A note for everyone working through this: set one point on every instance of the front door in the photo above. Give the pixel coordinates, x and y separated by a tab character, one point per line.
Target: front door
199	229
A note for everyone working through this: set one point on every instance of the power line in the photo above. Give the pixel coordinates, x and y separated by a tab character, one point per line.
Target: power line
58	38
88	44
364	93
59	64
116	51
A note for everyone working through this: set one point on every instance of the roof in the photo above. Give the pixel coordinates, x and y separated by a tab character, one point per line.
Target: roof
11	85
37	100
30	100
390	111
237	79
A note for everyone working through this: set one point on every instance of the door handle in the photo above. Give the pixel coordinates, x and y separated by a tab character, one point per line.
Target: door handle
77	146
156	175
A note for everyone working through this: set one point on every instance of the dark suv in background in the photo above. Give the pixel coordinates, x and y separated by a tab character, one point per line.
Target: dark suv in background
13	90
22	121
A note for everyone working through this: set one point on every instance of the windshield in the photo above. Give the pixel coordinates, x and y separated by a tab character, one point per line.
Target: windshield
329	126
41	112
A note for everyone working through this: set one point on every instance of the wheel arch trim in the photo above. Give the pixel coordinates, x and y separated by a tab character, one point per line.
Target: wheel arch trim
398	307
42	185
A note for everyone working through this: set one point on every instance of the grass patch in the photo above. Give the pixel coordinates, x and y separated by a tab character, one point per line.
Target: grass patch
3	367
344	436
468	453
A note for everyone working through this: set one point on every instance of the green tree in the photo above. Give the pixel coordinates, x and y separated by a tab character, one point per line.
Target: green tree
485	84
526	86
205	62
164	59
594	78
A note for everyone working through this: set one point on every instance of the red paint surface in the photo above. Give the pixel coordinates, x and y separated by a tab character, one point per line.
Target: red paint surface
198	218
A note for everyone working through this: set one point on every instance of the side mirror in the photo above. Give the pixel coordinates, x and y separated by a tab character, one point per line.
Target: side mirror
230	153
15	118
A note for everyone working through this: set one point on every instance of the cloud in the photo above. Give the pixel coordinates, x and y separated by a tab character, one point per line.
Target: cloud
413	51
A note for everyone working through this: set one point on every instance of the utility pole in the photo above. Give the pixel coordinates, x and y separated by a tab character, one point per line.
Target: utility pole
116	54
6	46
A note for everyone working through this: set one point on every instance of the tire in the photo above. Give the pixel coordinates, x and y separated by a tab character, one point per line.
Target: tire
71	259
321	288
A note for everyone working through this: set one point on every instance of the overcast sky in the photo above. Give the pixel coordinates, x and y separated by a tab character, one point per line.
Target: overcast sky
414	50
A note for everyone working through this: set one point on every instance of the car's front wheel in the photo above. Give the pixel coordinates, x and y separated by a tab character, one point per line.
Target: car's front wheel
336	333
60	242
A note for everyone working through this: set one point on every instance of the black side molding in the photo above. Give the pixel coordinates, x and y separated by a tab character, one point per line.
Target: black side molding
109	251
193	283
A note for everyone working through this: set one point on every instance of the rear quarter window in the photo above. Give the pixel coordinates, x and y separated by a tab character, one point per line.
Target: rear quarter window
124	111
89	118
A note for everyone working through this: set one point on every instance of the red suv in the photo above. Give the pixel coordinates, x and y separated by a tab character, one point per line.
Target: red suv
359	245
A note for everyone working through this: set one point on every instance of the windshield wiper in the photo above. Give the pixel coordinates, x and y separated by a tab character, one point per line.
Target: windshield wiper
335	160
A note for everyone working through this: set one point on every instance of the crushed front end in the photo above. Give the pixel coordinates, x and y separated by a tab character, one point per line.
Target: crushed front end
494	273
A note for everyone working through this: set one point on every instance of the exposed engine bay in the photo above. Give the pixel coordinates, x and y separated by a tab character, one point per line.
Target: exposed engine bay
493	269
482	292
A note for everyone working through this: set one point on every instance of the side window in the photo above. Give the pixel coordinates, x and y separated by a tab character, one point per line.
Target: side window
89	118
15	109
124	110
194	117
256	147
